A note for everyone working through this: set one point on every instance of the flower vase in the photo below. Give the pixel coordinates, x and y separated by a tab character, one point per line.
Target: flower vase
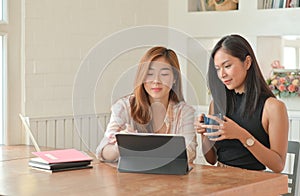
292	103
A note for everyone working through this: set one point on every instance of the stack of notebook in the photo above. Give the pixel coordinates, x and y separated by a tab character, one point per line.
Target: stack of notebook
60	160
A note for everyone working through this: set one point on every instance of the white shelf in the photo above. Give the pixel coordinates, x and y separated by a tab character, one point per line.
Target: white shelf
276	4
247	20
286	70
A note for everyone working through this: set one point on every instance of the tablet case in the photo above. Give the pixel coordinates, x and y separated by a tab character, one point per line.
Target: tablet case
152	153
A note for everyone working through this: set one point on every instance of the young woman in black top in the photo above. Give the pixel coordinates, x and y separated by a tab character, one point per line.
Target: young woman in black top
254	131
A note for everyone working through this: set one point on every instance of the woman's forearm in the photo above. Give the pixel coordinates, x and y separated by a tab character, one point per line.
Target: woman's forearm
208	150
270	158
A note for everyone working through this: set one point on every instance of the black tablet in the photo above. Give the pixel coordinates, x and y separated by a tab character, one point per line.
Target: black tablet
152	153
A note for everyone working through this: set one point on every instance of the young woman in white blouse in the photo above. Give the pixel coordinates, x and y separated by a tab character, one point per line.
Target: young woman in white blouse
155	106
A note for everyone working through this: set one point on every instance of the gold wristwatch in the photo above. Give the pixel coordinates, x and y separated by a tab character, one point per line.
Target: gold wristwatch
249	142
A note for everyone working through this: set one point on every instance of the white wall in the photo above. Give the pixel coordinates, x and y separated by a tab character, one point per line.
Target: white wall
15	41
49	39
269	48
58	34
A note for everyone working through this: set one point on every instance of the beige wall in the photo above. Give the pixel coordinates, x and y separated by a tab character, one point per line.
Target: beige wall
58	34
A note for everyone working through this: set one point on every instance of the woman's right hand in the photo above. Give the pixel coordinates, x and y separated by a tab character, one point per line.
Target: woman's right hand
112	136
199	121
128	129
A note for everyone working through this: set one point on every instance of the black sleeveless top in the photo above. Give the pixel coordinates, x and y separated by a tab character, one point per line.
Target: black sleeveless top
232	152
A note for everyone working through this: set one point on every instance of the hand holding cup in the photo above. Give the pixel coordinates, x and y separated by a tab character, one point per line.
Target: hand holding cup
199	121
214	125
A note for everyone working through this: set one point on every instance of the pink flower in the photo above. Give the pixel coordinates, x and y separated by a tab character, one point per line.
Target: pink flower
291	88
282	80
281	88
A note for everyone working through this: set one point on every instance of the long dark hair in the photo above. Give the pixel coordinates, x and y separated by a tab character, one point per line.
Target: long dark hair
140	104
255	84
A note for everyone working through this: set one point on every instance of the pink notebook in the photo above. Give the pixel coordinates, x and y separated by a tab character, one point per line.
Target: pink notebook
61	156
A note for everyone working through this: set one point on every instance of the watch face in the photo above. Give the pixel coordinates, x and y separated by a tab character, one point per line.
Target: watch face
249	142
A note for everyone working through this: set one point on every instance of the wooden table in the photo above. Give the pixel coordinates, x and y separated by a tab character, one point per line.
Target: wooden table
16	178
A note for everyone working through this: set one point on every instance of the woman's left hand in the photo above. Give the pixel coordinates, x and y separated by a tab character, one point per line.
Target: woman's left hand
227	129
